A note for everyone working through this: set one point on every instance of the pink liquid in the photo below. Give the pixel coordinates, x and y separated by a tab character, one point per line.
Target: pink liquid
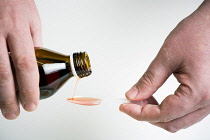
88	101
75	86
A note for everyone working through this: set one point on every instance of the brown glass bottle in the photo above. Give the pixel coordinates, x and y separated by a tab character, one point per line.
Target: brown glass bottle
55	69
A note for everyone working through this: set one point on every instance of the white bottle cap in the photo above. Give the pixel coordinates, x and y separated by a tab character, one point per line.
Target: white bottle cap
72	65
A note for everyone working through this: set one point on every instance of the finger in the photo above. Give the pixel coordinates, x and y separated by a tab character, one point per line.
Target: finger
36	33
157	73
134	110
35	27
8	101
23	56
140	113
172	107
150	100
185	121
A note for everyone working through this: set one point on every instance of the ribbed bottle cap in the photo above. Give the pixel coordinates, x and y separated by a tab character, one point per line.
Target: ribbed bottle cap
82	64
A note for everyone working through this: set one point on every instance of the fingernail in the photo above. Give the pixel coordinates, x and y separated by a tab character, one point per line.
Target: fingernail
131	94
10	116
29	106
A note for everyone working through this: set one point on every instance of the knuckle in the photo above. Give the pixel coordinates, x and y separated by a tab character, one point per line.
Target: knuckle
4	74
148	78
16	19
27	93
7	104
165	55
25	63
18	25
183	90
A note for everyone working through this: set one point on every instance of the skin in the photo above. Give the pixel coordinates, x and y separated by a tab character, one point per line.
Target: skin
20	31
185	54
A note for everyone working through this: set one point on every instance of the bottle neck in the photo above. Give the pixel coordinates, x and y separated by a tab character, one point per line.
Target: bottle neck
80	64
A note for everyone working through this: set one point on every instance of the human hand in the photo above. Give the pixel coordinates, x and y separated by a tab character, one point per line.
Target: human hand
185	54
20	31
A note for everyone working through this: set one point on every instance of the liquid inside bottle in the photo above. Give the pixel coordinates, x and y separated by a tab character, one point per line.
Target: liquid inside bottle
55	69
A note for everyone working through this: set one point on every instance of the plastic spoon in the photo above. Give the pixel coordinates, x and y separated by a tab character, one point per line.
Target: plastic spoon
89	101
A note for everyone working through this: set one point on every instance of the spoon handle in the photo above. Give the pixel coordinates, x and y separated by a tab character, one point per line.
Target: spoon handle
120	101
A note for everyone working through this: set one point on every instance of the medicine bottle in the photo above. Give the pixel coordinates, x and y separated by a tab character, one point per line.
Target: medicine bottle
55	69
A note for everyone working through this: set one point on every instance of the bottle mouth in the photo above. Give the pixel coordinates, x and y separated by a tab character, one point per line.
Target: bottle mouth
82	64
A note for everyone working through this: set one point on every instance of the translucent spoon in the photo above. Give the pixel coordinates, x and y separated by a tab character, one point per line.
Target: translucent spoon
89	101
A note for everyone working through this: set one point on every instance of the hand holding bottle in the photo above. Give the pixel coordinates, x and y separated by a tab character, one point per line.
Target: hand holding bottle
20	31
186	55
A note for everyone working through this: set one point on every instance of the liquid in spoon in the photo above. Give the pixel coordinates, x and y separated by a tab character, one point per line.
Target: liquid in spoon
88	101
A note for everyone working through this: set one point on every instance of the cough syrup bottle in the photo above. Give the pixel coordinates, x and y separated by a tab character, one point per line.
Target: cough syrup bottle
55	69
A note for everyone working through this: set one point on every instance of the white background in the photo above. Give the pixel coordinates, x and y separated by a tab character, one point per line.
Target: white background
121	37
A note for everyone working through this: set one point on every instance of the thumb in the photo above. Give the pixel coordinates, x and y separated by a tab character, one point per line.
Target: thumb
154	77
